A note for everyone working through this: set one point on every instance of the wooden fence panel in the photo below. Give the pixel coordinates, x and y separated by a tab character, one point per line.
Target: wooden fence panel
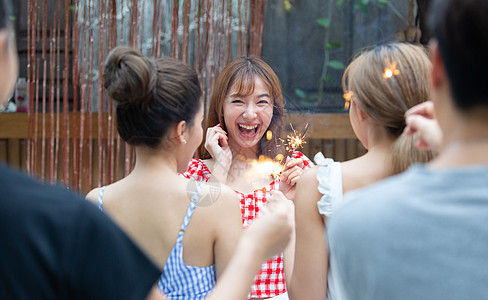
334	138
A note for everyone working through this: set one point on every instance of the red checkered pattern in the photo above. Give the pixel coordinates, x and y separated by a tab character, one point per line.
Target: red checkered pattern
270	281
197	170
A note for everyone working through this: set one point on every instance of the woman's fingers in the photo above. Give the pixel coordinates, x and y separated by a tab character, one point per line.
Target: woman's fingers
420	120
425	109
430	134
295	176
292	175
216	140
292	171
294	162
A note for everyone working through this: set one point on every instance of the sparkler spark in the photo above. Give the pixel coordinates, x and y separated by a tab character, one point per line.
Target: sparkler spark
347	97
295	140
265	167
391	71
269	135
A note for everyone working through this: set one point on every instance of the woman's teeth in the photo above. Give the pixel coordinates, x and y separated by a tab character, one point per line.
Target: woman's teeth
248	130
248	127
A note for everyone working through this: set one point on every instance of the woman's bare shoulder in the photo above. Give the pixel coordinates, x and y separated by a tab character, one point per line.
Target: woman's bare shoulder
359	172
92	195
308	180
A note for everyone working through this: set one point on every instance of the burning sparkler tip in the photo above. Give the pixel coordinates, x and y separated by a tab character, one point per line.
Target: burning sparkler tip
295	140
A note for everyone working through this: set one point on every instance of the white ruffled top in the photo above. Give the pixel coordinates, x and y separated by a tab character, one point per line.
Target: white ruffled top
329	176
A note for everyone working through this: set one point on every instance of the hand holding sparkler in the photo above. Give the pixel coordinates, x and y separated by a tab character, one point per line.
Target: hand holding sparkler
293	168
290	175
290	171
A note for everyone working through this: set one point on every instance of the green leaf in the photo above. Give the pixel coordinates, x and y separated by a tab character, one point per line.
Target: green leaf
12	18
287	5
325	22
333	45
361	7
339	2
365	2
381	3
300	93
335	64
328	78
72	7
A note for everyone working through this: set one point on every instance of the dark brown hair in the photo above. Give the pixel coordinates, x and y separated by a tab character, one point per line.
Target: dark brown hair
151	95
241	74
459	26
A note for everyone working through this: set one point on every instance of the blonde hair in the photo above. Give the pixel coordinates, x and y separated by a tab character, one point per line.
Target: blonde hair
386	81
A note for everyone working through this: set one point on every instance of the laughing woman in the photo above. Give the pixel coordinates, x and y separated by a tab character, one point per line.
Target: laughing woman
246	103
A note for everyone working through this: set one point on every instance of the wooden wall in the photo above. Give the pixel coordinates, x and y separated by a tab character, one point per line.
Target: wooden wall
329	133
334	137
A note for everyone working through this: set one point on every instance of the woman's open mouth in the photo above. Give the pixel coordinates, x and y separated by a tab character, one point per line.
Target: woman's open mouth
248	131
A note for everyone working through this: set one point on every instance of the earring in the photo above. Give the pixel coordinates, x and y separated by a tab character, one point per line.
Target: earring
184	141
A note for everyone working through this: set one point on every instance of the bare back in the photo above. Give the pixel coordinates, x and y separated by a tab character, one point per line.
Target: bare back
364	170
151	211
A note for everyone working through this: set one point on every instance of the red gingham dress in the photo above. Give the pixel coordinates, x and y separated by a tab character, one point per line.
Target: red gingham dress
270	281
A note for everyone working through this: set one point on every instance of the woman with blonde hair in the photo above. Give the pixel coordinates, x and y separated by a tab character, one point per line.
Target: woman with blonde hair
382	84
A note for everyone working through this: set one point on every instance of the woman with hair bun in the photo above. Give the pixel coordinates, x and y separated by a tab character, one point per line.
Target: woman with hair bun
382	84
159	112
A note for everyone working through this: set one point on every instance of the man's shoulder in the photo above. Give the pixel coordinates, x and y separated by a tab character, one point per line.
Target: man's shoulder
365	210
15	179
30	197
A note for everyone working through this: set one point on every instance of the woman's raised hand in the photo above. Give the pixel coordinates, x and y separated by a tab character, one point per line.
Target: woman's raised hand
421	120
217	146
290	176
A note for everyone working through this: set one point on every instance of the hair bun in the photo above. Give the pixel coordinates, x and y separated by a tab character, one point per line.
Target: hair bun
129	77
411	34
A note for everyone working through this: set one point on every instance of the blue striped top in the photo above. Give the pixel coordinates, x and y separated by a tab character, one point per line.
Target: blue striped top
178	280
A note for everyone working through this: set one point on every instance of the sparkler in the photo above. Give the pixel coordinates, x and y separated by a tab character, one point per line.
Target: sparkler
390	72
269	135
265	167
295	140
347	96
